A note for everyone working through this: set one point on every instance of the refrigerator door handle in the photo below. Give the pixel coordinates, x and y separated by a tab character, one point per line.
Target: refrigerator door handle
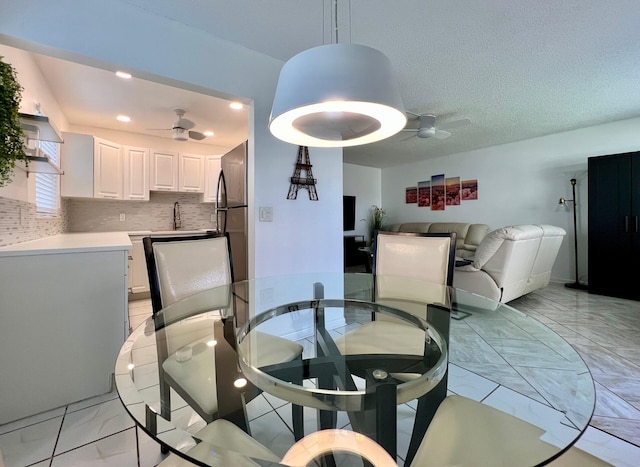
221	207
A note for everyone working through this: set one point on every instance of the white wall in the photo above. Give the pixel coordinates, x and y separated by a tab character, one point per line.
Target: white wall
365	184
304	235
519	183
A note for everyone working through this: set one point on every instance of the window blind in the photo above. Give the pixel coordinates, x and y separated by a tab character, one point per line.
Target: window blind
48	185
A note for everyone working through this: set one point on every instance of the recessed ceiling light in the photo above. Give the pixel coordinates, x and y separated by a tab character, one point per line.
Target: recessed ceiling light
236	105
208	133
123	74
123	118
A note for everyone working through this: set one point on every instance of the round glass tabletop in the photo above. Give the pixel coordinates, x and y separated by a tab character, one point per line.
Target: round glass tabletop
175	374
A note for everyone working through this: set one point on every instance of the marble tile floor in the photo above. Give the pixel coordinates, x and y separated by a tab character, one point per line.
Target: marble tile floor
604	330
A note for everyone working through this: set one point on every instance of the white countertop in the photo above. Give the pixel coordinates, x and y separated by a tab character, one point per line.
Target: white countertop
70	243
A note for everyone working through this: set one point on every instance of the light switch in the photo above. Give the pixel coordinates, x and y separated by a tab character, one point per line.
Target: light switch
266	214
123	217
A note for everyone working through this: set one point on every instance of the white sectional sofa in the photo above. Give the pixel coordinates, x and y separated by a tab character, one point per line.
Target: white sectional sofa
468	235
511	262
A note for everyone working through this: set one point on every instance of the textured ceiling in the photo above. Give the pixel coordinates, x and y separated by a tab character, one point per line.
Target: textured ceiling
517	68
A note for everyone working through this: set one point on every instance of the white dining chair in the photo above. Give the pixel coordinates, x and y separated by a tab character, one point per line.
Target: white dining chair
465	432
223	443
410	269
189	362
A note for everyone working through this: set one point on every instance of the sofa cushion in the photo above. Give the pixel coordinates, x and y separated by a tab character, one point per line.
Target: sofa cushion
469	235
460	228
422	227
475	235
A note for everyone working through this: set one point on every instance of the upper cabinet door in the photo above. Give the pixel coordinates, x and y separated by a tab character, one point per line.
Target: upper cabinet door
164	171
211	174
107	169
191	173
136	173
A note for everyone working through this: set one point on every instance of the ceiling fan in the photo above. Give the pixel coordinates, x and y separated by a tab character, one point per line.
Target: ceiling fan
428	128
181	129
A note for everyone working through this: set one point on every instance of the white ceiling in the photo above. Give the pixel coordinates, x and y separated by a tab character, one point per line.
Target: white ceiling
517	68
94	97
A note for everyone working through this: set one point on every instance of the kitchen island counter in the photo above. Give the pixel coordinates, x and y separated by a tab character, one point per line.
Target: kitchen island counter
70	243
64	317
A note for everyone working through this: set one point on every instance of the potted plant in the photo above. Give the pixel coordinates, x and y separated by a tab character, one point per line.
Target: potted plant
11	135
375	221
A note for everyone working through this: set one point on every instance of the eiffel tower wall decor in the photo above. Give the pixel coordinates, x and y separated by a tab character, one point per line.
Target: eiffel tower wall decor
298	181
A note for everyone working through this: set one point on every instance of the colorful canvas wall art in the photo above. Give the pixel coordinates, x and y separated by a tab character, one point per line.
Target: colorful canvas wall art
469	189
424	193
411	195
440	191
437	192
452	185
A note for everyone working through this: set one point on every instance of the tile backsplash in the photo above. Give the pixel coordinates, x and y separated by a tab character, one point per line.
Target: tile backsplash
19	222
96	215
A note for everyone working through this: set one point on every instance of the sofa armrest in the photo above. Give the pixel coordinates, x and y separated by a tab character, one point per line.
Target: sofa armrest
476	281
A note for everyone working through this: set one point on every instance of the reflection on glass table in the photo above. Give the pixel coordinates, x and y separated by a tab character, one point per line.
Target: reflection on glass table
495	354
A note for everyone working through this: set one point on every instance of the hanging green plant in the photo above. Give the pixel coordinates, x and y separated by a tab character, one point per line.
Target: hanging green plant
11	135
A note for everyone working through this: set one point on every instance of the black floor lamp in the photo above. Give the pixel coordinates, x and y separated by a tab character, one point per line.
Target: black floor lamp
563	202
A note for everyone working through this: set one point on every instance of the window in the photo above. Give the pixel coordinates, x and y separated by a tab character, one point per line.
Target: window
48	185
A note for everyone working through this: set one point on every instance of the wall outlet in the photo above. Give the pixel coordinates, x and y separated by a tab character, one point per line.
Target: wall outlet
123	217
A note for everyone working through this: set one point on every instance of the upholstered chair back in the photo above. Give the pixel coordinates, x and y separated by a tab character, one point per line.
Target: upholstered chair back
413	266
180	267
184	268
424	256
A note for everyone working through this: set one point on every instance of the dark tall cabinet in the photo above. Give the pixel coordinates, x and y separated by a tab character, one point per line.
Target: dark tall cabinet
614	230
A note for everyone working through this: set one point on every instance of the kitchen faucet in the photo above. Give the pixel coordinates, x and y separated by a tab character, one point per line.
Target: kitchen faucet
177	223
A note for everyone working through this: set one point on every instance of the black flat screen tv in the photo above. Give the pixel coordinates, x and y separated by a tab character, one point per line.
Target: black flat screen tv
349	212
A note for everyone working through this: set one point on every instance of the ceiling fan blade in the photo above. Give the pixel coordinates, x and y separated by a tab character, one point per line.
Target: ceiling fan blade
184	123
158	129
441	134
196	135
455	124
410	129
404	135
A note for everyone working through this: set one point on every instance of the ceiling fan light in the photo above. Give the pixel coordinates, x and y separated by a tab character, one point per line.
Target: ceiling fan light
426	132
337	95
180	134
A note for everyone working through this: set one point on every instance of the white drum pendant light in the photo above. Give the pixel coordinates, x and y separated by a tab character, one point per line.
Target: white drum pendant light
337	95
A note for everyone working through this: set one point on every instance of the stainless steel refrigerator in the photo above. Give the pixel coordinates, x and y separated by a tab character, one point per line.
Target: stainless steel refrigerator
231	206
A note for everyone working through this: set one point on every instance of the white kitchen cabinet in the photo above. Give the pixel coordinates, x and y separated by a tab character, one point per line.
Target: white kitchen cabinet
76	156
181	172
107	169
136	173
211	173
138	275
164	170
190	173
96	168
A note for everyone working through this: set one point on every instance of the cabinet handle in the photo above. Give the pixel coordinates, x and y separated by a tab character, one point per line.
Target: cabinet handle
626	223
635	221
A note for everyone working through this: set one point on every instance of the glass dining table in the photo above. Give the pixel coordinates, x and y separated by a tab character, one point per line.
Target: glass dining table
373	347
